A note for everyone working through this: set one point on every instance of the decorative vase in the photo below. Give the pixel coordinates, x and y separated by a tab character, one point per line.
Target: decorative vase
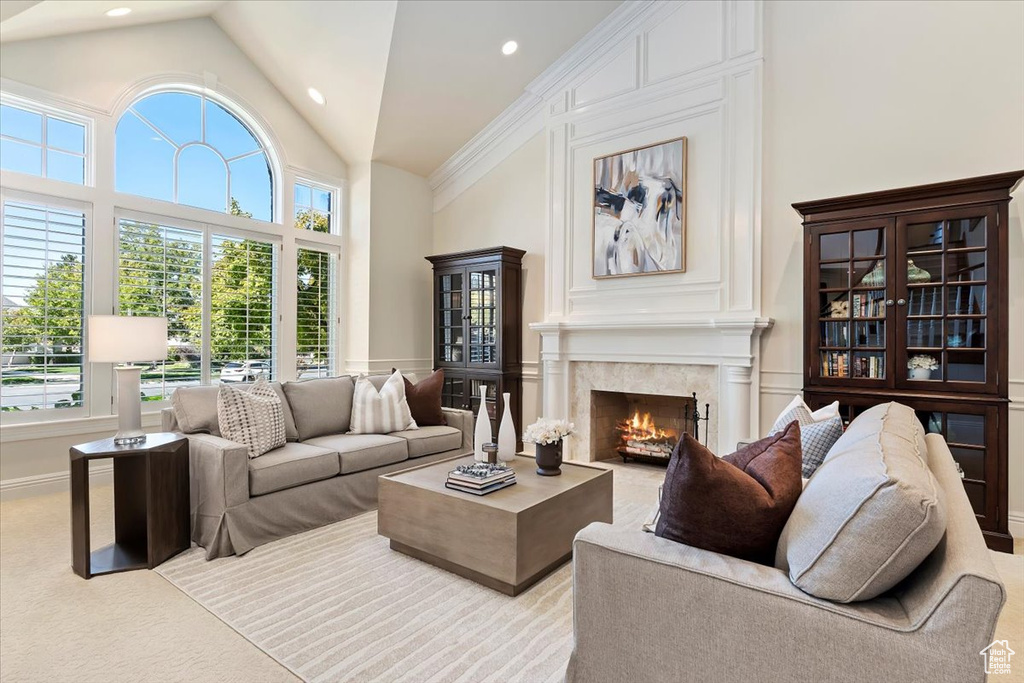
549	459
875	277
916	273
506	433
920	373
482	434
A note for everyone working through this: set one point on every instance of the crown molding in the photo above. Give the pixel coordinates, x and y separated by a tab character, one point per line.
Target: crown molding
524	118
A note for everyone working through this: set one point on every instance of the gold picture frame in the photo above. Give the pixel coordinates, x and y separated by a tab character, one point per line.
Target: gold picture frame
638	219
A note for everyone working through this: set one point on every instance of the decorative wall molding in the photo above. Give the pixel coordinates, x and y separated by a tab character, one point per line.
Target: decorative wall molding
1016	523
26	431
53	482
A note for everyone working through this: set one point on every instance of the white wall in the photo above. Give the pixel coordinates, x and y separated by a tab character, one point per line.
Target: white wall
862	96
400	277
857	96
507	208
91	74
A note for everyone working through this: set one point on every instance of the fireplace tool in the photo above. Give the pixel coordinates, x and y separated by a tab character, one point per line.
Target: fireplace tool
697	419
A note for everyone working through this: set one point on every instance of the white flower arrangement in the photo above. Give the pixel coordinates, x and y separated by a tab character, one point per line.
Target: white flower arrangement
922	362
545	431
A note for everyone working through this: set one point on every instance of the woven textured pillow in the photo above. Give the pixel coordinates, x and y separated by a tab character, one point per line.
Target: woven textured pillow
816	437
381	412
253	418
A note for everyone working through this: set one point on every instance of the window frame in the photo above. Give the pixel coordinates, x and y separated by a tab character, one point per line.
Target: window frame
249	122
208	231
48	112
335	305
334	225
84	410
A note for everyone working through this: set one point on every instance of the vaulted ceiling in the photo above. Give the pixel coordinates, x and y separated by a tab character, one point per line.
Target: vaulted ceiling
406	82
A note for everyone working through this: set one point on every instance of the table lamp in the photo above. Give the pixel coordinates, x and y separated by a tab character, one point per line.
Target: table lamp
127	339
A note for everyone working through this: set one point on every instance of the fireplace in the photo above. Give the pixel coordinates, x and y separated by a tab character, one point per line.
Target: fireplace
640	427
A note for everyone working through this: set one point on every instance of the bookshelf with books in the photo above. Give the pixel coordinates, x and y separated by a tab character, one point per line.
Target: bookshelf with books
906	295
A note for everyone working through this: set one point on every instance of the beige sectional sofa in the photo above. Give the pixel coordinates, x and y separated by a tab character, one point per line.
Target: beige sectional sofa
650	609
321	475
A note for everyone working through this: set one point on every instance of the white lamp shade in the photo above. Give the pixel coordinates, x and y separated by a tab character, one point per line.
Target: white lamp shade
126	339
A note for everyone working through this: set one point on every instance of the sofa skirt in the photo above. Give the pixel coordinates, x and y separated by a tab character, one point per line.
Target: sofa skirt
266	518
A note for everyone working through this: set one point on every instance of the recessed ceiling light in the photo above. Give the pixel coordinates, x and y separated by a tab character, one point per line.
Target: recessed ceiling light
316	96
509	47
119	11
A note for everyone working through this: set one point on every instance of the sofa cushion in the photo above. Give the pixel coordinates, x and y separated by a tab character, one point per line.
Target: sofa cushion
817	436
293	464
383	410
253	418
430	440
358	452
736	505
320	406
425	398
195	409
871	513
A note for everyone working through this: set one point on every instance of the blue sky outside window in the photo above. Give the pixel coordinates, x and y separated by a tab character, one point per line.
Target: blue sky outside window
186	149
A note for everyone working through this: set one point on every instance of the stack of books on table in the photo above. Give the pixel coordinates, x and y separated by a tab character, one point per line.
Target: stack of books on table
480	478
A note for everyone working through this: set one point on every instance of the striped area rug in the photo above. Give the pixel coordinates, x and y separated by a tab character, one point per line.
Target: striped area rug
337	604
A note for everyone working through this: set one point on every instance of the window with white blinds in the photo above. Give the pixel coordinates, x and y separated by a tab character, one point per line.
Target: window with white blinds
42	270
226	333
243	320
160	273
316	313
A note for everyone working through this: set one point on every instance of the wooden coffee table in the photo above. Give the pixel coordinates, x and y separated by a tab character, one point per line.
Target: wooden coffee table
507	540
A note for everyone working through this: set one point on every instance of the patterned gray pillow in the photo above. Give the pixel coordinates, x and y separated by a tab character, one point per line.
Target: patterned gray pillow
816	438
253	418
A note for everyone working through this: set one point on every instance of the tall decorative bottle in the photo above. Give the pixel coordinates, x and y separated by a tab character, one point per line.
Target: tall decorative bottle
506	432
483	427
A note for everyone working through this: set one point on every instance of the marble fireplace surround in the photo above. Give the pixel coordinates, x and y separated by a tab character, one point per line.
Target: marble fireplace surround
660	379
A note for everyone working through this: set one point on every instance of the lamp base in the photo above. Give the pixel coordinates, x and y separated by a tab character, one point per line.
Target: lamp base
129	406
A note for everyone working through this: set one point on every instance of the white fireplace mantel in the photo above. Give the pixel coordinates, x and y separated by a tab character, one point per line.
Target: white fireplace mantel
729	344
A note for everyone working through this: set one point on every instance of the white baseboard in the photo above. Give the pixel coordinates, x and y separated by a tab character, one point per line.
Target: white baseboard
1015	520
53	482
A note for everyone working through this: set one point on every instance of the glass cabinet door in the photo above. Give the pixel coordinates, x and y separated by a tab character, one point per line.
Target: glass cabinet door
483	321
851	281
944	300
450	319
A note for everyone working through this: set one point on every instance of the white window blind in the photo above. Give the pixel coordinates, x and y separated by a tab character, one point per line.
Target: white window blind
243	318
160	273
42	256
316	313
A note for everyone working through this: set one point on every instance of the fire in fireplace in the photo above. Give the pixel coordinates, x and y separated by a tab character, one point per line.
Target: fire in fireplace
640	427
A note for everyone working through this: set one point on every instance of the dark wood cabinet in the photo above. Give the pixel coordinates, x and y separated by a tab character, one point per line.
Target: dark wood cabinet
478	329
905	297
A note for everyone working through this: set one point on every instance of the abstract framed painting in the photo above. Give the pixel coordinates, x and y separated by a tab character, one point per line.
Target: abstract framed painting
640	211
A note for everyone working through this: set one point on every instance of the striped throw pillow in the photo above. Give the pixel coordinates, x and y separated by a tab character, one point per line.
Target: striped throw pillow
381	412
253	418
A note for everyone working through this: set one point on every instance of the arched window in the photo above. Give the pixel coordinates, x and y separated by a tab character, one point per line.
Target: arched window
185	148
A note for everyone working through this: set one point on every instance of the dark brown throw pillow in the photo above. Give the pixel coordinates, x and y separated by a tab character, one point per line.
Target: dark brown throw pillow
424	399
736	505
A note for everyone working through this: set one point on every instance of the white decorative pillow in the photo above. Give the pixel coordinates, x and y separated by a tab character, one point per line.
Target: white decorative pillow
253	418
819	431
381	412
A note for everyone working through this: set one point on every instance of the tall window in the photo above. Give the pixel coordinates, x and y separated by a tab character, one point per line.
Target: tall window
185	148
160	273
42	255
316	313
230	338
39	144
314	207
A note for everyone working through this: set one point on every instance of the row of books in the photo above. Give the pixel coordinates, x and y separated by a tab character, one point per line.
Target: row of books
837	364
481	478
867	334
869	305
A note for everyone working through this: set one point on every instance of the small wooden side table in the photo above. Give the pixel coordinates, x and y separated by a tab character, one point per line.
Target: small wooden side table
151	504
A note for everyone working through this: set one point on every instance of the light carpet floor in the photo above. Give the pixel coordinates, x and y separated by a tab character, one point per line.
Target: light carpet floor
137	627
